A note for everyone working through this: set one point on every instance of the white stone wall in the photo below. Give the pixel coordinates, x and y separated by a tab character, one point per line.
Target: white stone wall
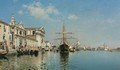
31	43
5	31
1	32
39	39
7	35
19	36
17	42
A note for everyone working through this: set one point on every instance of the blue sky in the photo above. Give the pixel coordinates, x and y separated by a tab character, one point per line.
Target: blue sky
93	22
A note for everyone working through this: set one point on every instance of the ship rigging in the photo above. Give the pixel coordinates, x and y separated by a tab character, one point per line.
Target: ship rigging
64	46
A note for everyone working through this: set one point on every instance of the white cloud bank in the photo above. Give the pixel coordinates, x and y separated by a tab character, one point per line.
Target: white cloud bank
38	11
47	13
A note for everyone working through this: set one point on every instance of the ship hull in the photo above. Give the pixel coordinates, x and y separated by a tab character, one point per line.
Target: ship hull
64	48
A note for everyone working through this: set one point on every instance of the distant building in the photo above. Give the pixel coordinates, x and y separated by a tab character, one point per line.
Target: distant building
48	45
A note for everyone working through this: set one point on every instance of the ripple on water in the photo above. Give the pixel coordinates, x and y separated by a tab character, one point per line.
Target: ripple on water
74	61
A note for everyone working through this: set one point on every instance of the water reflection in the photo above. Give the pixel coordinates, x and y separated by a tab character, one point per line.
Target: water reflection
42	62
64	61
7	64
3	57
43	65
24	62
55	61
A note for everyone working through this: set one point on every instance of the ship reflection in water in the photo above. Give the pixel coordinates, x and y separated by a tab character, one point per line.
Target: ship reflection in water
82	60
64	61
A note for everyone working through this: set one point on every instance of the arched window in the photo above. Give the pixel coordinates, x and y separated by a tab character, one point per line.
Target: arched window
20	32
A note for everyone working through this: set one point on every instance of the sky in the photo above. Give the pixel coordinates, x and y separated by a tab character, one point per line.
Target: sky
93	22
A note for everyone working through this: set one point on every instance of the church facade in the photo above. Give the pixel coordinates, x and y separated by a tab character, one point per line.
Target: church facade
15	36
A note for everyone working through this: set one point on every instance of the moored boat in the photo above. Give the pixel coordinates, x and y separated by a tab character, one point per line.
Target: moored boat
64	46
72	49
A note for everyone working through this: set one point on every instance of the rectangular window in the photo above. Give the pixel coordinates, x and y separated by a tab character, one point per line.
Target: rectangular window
25	33
17	31
4	29
0	28
4	37
33	33
1	45
10	37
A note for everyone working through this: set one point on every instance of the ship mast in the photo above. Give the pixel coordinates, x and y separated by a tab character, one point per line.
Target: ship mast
63	32
64	41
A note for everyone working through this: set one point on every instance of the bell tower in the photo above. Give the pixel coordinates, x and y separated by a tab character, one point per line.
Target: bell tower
12	21
12	29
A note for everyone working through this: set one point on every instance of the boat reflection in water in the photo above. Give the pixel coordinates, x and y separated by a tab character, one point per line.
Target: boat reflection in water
64	61
83	60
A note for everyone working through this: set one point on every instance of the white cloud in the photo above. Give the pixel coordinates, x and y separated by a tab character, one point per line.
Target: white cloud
52	10
20	12
38	11
73	17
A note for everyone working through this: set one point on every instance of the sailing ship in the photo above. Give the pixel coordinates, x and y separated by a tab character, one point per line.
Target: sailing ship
64	46
77	46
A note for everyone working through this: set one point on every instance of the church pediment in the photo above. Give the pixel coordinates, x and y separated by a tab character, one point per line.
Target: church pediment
20	26
42	29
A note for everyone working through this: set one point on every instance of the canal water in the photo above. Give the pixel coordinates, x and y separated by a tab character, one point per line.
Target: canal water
82	60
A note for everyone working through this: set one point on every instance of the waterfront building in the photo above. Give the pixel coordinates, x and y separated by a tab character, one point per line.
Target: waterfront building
14	36
5	36
36	34
31	43
26	37
18	34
